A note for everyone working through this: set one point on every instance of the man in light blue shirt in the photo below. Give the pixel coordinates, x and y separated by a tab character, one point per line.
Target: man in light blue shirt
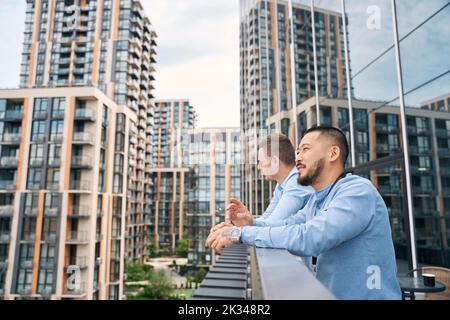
343	232
276	161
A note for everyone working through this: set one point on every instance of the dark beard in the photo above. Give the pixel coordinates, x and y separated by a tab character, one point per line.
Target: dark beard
311	178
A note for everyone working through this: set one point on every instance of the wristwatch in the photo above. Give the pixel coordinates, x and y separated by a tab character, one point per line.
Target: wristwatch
235	234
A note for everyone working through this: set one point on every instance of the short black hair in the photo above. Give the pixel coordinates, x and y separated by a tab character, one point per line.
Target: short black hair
334	134
286	152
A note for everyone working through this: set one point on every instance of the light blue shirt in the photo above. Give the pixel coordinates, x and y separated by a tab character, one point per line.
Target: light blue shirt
348	231
288	198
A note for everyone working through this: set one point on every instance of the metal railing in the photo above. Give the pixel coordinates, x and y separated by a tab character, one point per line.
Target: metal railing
10	137
78	237
80	185
51	212
81	211
83	137
31	211
79	261
278	275
85	114
5	237
82	161
7	184
9	161
36	162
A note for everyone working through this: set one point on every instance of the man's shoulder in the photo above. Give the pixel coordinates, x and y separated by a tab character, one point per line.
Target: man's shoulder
352	181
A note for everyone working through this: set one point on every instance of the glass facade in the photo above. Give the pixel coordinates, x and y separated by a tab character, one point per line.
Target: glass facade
377	123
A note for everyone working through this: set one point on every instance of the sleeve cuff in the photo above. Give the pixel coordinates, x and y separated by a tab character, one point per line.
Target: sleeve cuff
248	235
259	222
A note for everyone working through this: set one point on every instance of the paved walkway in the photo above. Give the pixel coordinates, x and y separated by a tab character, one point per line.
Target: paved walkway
164	264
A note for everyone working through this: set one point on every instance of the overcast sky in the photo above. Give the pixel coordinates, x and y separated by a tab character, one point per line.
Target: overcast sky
198	51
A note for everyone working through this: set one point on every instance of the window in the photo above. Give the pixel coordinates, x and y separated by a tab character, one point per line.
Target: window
118	183
52	200
423	143
361	138
57	129
45	281
36	151
53	176
58	107
24	279
40	108
38	131
54	152
118	163
49	229
120	124
120	142
31	200
34	178
48	253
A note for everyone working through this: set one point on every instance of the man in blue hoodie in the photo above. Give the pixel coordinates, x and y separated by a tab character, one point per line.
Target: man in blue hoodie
343	232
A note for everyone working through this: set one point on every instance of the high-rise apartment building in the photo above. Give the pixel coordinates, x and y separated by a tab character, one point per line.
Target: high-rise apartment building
377	129
213	157
441	103
77	204
62	214
172	119
277	73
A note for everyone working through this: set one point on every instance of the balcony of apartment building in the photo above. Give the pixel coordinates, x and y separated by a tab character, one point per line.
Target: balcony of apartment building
85	114
30	211
259	273
81	185
53	185
74	291
386	128
387	148
49	237
414	149
83	137
5	236
442	132
7	180
80	211
77	238
81	162
10	137
51	212
6	210
3	262
14	115
423	189
9	161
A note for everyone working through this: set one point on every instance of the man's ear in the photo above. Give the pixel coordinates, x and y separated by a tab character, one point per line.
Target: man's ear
276	161
335	153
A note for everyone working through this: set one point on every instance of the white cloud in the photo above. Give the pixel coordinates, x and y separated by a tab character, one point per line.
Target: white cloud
211	85
198	56
12	25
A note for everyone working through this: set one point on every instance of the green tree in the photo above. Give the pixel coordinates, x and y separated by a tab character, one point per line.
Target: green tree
182	246
152	250
138	271
199	275
159	287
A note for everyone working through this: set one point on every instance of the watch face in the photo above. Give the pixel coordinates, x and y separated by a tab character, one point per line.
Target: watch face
235	234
